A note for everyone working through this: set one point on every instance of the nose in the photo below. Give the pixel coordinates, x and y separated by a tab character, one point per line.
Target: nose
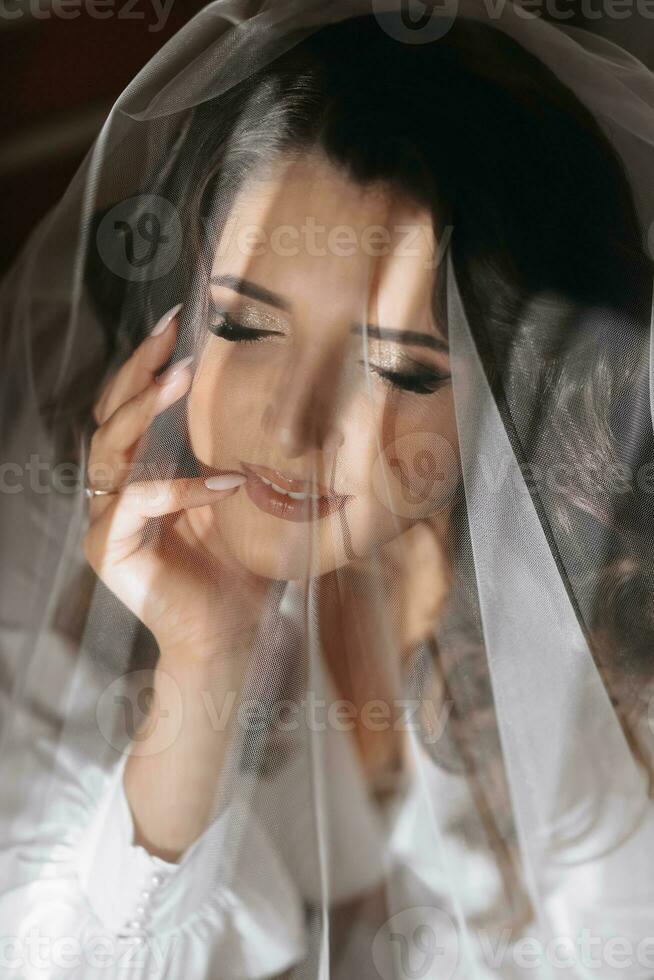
302	414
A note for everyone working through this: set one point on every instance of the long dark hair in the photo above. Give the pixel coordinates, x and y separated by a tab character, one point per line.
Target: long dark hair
541	210
543	222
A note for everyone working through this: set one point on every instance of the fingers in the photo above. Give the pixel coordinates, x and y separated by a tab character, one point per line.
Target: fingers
118	530
113	443
139	370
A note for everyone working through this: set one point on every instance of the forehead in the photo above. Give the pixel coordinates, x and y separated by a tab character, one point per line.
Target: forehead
310	232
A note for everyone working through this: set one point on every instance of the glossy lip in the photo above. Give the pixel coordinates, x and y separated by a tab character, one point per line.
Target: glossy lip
271	502
288	482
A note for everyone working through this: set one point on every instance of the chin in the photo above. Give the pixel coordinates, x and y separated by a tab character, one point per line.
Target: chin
276	549
282	550
283	562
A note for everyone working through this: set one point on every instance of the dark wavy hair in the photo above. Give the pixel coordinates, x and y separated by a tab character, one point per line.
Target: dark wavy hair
551	268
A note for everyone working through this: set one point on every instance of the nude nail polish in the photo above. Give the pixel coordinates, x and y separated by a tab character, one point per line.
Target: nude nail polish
225	481
171	373
165	321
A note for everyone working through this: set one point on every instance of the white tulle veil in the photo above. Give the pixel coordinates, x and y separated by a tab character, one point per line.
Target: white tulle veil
541	652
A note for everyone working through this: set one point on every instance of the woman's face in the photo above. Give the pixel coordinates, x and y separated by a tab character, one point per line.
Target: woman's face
324	378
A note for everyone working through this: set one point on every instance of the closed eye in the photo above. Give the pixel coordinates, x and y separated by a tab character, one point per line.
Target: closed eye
228	327
423	381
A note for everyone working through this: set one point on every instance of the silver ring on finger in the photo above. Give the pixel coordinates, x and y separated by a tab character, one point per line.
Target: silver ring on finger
92	492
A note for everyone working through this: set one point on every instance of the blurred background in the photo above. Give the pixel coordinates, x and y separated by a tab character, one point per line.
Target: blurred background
66	61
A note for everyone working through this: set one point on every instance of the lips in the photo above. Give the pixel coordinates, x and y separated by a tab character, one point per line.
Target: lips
288	498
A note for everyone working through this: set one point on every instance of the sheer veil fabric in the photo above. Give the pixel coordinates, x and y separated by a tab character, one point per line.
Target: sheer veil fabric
437	761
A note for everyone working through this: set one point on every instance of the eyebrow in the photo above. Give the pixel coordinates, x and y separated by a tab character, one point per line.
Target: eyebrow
412	338
247	288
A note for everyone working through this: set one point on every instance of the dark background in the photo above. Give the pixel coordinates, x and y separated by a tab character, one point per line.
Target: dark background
64	68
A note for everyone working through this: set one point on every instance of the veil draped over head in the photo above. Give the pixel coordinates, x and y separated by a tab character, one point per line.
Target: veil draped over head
435	756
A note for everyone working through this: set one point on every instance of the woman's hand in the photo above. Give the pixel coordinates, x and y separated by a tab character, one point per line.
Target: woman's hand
141	542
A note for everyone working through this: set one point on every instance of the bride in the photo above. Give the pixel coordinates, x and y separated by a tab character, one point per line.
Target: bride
339	665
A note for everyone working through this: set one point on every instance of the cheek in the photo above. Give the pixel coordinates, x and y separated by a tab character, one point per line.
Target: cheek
418	471
223	404
399	455
205	405
402	454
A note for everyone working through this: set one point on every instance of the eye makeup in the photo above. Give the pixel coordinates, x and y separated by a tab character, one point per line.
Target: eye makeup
390	362
395	367
387	359
245	325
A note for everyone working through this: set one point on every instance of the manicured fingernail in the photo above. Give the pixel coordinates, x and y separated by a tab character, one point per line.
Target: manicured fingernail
170	373
225	481
165	321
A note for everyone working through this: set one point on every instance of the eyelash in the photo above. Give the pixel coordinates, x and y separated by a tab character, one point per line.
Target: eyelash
421	383
229	328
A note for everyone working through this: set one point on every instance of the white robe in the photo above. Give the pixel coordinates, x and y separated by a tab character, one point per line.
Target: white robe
79	900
